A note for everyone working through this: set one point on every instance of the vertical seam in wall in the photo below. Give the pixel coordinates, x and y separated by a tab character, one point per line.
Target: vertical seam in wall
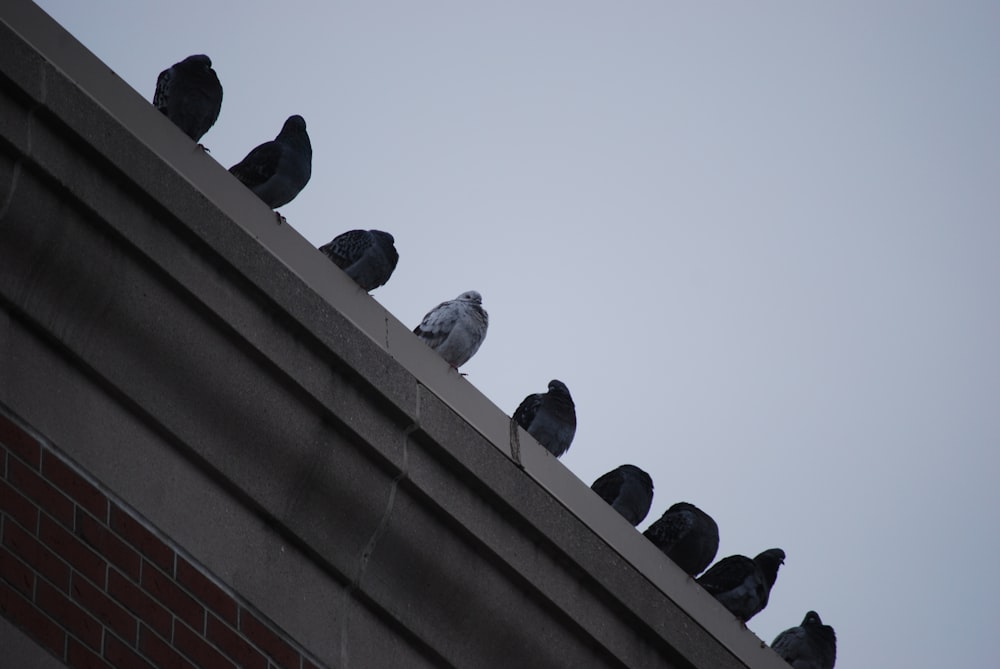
16	172
369	549
515	444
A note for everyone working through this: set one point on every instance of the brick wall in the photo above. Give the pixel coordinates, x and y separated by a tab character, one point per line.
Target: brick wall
88	579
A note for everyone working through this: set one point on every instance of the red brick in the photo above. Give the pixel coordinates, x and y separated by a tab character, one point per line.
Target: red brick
197	649
120	621
203	589
48	498
15	572
129	529
42	560
20	442
25	615
62	476
74	551
107	543
160	652
233	645
120	655
261	636
138	602
77	622
167	592
18	507
79	656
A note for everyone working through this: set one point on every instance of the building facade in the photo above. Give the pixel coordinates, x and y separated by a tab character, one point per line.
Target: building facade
217	452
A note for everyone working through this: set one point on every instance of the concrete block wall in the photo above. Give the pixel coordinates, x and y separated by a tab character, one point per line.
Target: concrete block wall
93	583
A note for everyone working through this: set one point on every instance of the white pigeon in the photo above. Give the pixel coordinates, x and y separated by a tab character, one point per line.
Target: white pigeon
456	328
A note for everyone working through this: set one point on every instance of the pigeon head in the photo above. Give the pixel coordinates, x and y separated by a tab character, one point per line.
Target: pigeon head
294	132
812	618
470	296
769	562
638	473
383	237
682	506
772	555
558	386
197	61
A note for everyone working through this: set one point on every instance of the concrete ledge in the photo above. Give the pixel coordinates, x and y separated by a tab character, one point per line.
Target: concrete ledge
224	378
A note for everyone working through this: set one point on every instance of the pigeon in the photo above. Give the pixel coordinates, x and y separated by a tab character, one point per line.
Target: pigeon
278	170
367	256
549	417
628	490
743	585
190	95
811	645
687	535
456	328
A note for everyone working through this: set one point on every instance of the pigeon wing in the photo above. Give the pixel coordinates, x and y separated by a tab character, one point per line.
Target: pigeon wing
526	411
669	529
259	165
437	324
789	644
636	496
727	574
161	98
347	248
201	104
609	485
377	262
387	244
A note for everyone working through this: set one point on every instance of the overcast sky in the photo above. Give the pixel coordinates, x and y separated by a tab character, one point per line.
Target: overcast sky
759	241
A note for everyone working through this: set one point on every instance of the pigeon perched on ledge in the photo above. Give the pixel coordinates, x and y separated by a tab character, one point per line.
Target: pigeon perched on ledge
367	256
456	328
279	169
628	490
743	585
549	417
190	95
687	535
811	645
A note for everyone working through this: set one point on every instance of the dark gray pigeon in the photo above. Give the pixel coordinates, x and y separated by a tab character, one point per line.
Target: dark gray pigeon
687	535
811	645
278	170
628	490
456	328
190	95
549	417
367	256
743	585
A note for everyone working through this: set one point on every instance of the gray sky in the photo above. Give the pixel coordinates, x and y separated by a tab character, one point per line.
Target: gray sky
760	242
